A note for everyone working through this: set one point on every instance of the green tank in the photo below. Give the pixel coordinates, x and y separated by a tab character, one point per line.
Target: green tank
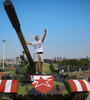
30	86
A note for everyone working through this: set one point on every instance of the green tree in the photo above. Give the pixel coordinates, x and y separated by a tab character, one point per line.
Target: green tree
23	59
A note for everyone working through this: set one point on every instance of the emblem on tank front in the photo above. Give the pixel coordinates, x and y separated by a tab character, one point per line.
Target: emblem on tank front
42	83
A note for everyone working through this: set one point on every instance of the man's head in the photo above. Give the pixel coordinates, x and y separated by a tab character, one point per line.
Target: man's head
37	38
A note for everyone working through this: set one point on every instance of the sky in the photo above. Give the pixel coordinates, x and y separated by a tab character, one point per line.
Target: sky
67	23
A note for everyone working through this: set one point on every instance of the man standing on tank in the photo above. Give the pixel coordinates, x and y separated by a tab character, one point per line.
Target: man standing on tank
38	51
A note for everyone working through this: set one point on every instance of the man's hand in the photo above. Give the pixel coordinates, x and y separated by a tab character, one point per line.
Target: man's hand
44	36
45	30
29	43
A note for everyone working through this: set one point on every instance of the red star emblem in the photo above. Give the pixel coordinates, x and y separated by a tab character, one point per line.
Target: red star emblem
42	83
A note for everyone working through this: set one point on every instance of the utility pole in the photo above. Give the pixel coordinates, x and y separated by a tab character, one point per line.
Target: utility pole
3	51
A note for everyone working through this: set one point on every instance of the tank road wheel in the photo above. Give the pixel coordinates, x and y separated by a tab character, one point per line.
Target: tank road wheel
79	96
6	97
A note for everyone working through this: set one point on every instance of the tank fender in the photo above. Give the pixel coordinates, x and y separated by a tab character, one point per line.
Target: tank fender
8	86
77	85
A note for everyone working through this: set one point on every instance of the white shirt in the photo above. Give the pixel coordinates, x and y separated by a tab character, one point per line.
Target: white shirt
38	46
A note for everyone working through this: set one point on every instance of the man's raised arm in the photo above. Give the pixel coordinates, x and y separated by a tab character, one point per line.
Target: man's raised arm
44	36
29	43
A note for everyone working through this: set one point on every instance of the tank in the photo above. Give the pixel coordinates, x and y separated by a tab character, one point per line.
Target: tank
24	84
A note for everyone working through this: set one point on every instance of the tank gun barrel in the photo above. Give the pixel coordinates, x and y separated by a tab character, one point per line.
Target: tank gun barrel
9	8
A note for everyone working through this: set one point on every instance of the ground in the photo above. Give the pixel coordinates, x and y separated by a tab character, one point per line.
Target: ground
83	74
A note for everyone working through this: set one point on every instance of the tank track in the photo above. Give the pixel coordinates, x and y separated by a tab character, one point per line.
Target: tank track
79	96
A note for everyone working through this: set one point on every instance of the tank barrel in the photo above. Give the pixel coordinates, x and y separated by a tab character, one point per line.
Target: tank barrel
9	8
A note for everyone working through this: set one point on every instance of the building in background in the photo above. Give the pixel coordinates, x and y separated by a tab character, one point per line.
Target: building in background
10	62
18	61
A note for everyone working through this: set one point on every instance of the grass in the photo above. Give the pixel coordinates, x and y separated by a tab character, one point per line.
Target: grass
58	83
23	90
62	85
47	69
55	66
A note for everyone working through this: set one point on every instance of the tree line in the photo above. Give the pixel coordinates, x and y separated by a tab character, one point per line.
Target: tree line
73	62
